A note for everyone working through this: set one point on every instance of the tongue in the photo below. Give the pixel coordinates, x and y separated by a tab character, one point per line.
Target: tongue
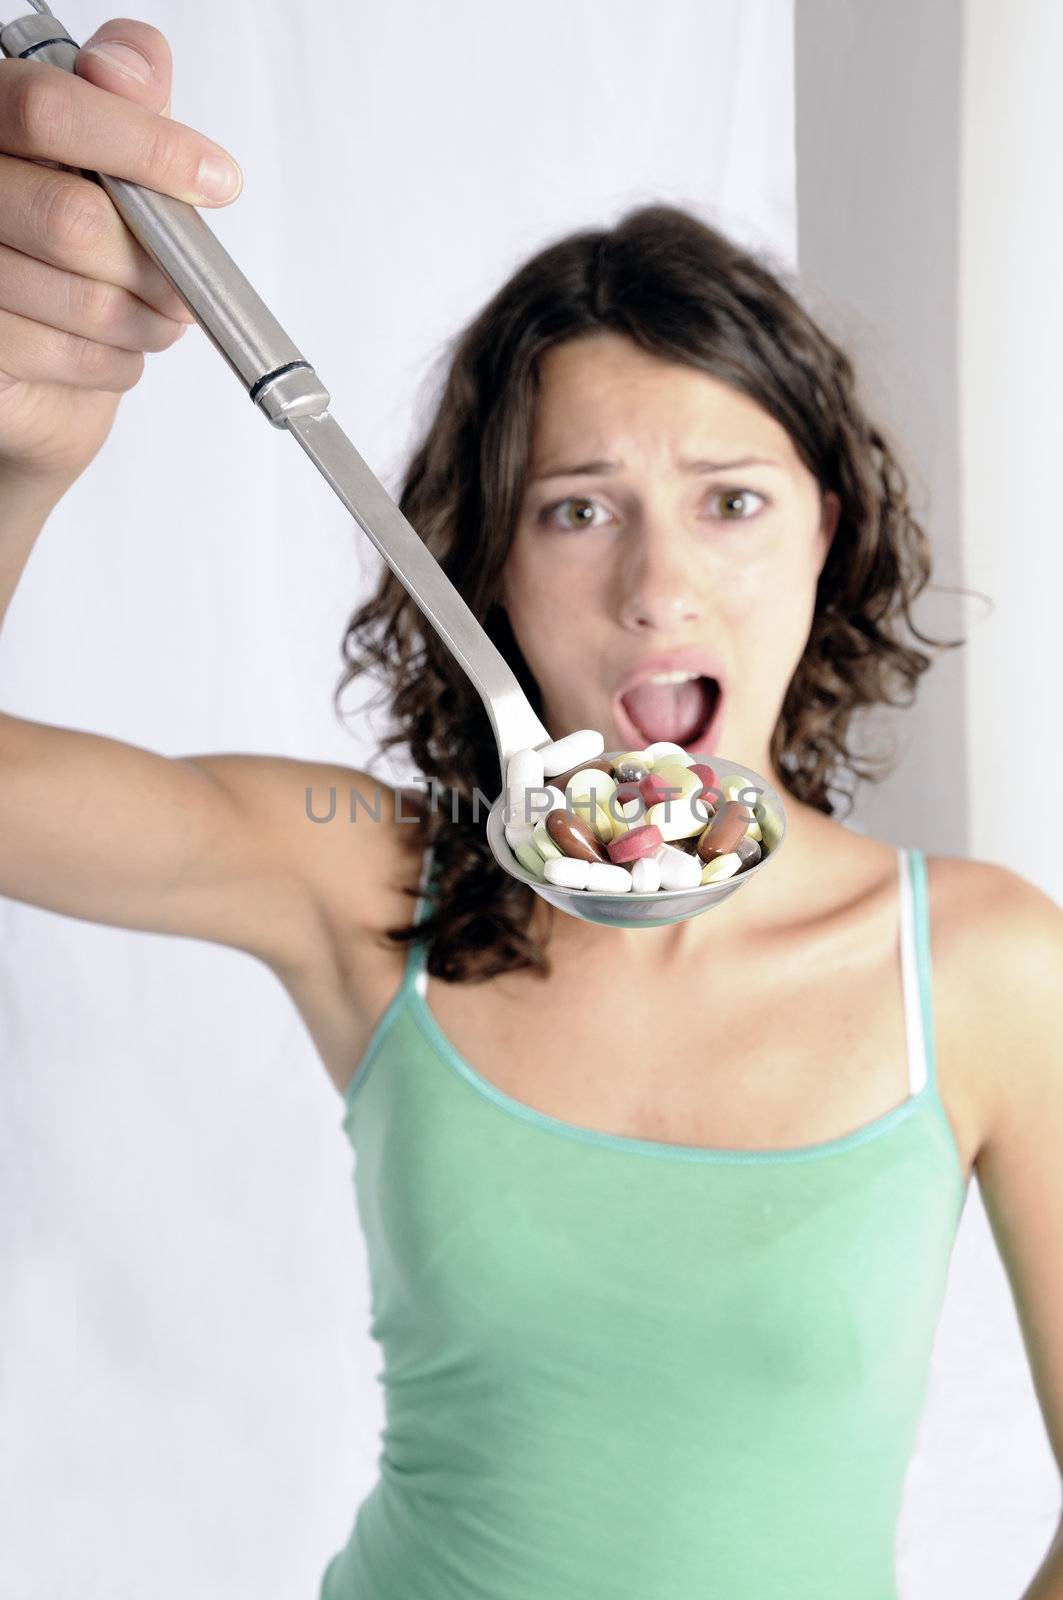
674	711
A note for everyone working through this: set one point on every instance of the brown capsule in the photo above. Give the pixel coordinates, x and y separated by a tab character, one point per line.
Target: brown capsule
573	837
724	831
600	764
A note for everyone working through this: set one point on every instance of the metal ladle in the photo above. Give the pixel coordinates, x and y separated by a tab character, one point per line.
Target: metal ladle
285	387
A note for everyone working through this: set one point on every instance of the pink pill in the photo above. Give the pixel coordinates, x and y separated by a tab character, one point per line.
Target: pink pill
706	774
656	790
635	844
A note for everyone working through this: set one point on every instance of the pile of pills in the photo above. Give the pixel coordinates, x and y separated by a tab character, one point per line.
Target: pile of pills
648	820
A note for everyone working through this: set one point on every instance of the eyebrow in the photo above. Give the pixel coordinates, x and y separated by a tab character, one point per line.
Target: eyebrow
588	468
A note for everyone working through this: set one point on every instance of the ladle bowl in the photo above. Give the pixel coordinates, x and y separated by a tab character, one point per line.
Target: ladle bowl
657	910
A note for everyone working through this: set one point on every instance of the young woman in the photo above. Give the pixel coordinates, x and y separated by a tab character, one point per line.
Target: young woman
658	1220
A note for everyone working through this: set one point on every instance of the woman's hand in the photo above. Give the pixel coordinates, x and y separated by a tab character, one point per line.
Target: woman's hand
80	301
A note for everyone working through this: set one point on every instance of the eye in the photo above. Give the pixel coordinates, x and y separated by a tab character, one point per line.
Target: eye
583	521
735	503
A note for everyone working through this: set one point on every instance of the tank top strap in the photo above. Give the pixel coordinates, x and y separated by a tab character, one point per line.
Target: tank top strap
414	974
916	970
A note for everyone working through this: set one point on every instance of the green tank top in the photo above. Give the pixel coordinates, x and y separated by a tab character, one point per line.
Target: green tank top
620	1369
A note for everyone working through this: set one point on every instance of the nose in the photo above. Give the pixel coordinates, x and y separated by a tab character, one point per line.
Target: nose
657	583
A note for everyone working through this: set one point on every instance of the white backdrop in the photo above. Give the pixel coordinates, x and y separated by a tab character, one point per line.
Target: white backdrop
189	1400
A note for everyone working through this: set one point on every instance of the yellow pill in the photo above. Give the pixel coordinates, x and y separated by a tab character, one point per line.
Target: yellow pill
679	819
632	814
724	866
530	859
588	781
597	818
544	844
678	777
735	787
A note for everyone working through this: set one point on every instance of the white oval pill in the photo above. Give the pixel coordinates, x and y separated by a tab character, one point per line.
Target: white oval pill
567	872
571	751
518	833
678	870
646	875
606	878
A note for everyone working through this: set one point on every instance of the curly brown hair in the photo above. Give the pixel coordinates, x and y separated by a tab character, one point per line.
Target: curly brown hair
686	293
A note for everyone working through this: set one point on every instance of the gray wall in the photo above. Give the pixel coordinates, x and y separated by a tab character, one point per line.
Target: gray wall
930	242
877	100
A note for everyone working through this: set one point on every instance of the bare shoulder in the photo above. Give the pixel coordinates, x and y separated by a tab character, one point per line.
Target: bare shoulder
1010	937
998	966
349	840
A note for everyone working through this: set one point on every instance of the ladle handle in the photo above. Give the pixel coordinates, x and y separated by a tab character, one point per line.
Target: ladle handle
275	374
285	387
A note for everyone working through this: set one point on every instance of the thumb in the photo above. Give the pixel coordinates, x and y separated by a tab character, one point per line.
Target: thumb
131	59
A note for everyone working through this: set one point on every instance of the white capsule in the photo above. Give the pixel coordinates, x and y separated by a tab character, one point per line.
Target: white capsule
646	875
525	769
572	750
518	833
567	872
678	870
533	804
515	812
605	877
665	747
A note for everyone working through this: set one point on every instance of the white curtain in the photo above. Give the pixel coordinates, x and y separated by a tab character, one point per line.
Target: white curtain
188	1395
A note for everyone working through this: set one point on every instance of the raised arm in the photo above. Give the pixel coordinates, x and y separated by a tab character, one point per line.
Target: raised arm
216	847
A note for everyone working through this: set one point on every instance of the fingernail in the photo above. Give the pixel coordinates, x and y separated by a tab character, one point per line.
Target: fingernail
124	58
219	178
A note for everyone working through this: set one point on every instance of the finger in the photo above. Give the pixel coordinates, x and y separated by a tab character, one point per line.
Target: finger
32	353
69	223
131	59
51	115
85	306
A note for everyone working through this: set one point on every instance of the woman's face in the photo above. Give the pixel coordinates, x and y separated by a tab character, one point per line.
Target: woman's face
615	566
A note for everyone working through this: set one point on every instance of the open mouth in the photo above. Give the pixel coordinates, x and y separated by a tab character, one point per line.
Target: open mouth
687	713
